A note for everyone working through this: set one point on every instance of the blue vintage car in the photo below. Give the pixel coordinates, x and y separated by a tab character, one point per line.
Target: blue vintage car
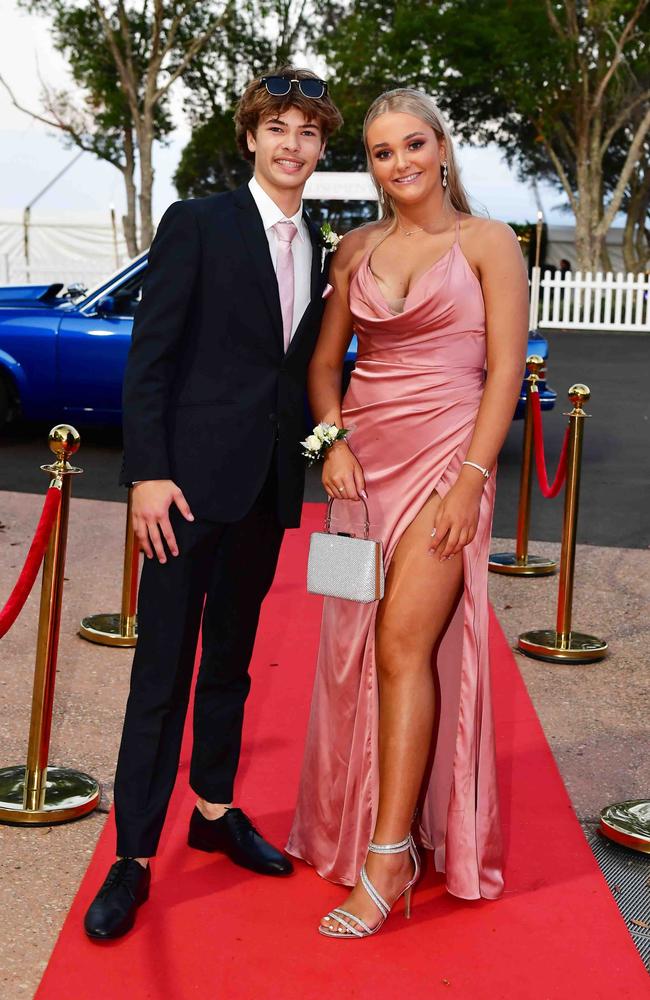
62	354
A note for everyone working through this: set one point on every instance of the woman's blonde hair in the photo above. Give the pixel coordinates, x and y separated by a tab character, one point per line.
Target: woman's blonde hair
414	102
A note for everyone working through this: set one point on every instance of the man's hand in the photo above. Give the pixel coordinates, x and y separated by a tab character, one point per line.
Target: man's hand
151	501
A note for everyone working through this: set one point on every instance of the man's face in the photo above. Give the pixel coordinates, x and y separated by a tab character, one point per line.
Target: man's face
287	149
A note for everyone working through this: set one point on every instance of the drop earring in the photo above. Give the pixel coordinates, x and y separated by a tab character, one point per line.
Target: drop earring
444	174
381	196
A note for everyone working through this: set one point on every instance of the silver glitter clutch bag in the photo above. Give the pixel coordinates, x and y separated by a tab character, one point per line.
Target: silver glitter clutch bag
342	565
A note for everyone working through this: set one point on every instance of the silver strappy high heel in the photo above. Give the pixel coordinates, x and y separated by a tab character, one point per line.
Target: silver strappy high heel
343	917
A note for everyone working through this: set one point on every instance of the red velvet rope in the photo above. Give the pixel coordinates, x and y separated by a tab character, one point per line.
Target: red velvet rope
29	572
552	490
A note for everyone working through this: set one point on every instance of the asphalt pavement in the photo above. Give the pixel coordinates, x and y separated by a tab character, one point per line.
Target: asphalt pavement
615	490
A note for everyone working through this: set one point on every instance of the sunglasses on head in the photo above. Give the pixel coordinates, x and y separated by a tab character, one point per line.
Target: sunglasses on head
280	86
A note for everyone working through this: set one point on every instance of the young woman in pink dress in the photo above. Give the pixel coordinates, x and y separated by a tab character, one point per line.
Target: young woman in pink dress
401	714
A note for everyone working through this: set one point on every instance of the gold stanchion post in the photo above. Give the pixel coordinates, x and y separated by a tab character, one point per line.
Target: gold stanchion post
112	629
37	793
520	562
628	823
562	644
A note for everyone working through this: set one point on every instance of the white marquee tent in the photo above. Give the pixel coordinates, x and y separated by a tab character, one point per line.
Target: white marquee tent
72	247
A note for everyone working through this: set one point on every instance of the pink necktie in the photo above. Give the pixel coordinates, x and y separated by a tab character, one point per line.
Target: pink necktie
285	232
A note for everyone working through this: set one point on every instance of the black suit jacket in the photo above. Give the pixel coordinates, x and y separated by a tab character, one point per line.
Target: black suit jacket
208	389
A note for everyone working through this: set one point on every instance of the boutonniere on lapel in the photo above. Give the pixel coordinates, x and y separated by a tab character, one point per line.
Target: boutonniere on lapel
329	240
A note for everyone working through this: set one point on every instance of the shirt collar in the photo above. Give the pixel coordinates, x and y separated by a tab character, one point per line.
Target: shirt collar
270	212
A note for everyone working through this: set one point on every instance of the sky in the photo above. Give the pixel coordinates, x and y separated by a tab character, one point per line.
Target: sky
31	154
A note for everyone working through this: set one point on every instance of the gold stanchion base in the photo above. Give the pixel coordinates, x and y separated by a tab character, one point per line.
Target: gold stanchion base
68	795
628	823
110	630
546	644
507	562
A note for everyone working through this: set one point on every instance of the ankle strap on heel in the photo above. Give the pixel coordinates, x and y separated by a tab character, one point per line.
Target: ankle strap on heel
403	845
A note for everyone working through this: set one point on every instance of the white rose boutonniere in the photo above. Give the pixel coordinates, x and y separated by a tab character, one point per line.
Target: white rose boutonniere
329	241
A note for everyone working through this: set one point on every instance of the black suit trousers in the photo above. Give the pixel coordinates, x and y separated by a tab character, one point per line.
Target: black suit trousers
220	577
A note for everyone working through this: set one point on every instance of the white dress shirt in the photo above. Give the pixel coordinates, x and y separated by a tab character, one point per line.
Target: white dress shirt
301	247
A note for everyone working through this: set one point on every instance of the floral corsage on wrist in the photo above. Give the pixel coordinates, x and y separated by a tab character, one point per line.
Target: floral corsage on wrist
321	438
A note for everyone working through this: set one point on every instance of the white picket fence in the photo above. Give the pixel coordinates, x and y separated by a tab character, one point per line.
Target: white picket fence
577	301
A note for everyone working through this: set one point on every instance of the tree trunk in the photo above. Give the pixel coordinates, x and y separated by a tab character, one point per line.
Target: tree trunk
591	254
595	121
635	241
129	221
583	241
643	241
629	247
605	260
145	150
590	243
587	202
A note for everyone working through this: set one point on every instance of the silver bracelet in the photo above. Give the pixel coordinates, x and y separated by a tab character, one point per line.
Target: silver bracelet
484	472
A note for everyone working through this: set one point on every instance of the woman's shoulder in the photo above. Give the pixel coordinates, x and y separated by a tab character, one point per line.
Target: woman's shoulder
486	234
491	248
355	244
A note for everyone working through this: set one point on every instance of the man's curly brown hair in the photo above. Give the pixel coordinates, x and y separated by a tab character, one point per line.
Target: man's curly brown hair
256	104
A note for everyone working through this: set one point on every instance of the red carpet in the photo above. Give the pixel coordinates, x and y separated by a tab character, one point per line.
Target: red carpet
214	931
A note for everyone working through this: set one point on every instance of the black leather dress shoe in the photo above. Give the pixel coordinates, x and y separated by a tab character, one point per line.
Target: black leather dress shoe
234	834
112	912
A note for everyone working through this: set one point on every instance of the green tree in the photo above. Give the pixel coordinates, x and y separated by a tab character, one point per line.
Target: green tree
94	117
125	58
374	47
564	81
555	83
636	235
371	47
636	203
257	35
211	161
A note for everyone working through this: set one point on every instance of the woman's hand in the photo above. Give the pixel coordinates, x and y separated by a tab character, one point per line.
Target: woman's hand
457	517
342	475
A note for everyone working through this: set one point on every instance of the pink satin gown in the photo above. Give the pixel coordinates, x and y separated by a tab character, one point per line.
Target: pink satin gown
411	406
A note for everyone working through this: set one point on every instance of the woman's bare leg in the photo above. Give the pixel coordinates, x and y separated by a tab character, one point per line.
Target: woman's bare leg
420	594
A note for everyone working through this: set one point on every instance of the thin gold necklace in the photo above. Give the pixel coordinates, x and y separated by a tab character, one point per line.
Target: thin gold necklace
409	232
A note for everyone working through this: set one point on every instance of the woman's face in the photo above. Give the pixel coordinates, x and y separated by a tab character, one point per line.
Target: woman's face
406	156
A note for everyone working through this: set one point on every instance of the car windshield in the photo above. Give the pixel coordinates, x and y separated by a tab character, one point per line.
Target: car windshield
111	278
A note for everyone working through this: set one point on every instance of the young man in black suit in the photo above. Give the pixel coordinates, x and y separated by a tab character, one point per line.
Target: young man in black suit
213	416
